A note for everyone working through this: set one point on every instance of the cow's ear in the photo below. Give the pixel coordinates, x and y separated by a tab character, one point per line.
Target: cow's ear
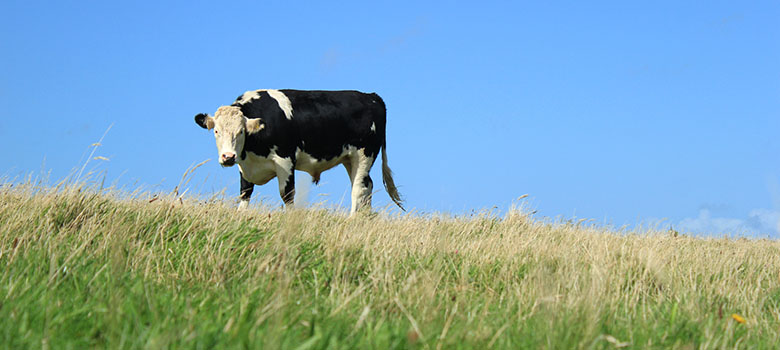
204	121
254	125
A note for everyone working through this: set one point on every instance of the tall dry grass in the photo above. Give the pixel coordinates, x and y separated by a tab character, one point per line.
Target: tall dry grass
98	268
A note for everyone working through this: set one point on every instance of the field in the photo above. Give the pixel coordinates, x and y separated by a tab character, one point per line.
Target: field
90	268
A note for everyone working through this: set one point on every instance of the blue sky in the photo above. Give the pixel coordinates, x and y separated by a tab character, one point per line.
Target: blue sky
620	112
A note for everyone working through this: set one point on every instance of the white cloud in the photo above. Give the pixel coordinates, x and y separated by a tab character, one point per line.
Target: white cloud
767	220
759	222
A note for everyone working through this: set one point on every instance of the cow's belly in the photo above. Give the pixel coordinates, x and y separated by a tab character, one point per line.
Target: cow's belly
257	170
314	166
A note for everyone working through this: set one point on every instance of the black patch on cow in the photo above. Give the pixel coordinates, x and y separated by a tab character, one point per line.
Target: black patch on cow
246	188
367	183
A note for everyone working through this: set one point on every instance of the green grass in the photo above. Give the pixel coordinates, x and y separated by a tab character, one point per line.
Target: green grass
90	269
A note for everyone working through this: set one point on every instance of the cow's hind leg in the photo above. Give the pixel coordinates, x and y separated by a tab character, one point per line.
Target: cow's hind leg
362	186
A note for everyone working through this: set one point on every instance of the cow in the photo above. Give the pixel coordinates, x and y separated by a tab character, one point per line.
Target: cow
272	133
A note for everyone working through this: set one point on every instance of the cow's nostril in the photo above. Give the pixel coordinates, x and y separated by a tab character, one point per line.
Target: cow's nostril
228	158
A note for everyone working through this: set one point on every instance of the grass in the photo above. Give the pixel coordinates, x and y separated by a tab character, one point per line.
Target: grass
88	268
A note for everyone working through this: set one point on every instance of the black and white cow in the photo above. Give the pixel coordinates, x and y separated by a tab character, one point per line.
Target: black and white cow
270	133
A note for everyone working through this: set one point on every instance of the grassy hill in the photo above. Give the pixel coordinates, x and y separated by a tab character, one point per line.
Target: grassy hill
91	269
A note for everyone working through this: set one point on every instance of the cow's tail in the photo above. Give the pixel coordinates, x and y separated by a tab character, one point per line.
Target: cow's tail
387	180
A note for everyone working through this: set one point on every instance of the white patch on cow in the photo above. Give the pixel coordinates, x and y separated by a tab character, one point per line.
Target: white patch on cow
284	166
243	204
249	96
256	169
283	101
373	127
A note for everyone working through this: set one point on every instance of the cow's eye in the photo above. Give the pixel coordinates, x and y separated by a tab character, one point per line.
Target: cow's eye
216	132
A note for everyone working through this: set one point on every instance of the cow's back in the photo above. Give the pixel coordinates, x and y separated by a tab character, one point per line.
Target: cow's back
328	121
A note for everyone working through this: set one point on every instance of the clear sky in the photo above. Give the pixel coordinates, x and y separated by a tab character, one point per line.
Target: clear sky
620	112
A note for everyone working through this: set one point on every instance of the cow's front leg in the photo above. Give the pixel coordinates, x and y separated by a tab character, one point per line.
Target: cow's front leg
285	172
246	192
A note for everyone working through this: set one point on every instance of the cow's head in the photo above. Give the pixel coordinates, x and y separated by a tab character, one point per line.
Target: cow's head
230	129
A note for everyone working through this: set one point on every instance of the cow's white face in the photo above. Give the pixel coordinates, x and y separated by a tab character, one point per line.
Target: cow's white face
230	128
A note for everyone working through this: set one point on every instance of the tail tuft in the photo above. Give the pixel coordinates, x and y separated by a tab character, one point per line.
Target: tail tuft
387	180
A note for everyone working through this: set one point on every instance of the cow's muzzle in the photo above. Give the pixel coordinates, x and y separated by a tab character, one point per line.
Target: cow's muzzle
227	159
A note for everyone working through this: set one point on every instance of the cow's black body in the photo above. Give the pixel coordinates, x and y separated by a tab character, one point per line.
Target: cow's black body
323	122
